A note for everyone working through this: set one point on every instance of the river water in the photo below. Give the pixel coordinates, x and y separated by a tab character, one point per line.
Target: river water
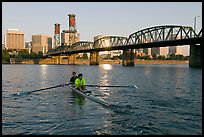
168	100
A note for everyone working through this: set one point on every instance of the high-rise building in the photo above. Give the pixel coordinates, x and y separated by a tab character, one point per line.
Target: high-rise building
147	51
14	39
177	50
155	50
163	51
41	43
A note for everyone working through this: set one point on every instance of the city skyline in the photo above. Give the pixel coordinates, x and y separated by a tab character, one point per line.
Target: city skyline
98	18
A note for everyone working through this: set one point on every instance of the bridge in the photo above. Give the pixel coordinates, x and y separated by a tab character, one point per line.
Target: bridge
157	36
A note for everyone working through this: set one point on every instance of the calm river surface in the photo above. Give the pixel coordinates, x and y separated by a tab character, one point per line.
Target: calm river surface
168	100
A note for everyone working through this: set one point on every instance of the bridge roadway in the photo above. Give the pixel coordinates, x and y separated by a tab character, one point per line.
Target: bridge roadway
158	36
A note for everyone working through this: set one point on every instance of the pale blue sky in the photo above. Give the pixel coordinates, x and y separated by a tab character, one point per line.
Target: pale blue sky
97	18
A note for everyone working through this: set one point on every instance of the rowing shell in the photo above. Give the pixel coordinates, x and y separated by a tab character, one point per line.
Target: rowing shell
90	96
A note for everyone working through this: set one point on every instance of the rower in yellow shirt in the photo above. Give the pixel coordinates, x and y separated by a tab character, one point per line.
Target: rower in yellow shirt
80	83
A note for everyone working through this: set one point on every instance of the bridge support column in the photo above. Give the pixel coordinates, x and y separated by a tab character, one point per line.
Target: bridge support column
57	60
94	58
195	56
71	59
128	57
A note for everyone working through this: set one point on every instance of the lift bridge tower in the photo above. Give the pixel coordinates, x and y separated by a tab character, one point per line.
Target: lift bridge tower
57	35
73	36
70	36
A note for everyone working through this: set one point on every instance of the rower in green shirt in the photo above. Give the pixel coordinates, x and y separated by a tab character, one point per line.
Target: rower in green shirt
80	83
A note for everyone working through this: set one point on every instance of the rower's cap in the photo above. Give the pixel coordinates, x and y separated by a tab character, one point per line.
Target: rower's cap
73	72
80	75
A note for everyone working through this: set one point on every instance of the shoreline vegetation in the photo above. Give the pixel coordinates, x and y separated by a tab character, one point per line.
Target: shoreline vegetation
24	57
87	61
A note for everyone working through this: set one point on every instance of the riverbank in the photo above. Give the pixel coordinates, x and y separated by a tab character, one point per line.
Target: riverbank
148	62
161	62
87	62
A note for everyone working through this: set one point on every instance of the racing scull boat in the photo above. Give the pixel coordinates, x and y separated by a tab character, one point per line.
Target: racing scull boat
90	96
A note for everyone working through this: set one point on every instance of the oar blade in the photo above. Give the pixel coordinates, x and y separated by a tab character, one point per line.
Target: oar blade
21	93
134	86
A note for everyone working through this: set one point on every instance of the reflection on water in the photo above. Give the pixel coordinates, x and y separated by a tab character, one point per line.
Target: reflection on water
106	66
104	73
43	72
80	100
105	70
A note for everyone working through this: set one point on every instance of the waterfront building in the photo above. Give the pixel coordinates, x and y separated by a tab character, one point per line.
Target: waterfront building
163	51
14	39
155	51
147	51
177	50
139	50
141	54
28	46
41	43
3	46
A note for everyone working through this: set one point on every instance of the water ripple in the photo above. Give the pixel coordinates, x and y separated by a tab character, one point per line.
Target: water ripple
168	101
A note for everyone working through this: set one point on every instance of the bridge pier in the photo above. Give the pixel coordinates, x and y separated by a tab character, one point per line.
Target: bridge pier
195	56
94	58
128	57
57	60
71	59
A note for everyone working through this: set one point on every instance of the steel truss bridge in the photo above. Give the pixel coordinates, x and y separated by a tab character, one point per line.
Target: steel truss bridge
158	36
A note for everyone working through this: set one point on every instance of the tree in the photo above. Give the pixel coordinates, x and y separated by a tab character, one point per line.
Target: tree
180	57
85	56
154	56
172	56
5	56
23	53
161	57
40	54
147	57
186	58
138	57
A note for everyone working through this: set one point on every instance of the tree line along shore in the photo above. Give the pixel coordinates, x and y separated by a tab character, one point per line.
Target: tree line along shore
87	61
23	57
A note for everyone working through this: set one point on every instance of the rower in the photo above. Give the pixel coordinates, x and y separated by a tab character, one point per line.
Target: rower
73	78
80	83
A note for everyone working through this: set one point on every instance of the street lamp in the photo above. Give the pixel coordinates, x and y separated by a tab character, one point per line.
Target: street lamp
195	23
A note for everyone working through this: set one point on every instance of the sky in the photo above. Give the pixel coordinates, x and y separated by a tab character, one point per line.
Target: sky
97	18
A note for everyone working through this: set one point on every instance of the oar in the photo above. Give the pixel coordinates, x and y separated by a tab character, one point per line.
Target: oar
28	92
129	86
